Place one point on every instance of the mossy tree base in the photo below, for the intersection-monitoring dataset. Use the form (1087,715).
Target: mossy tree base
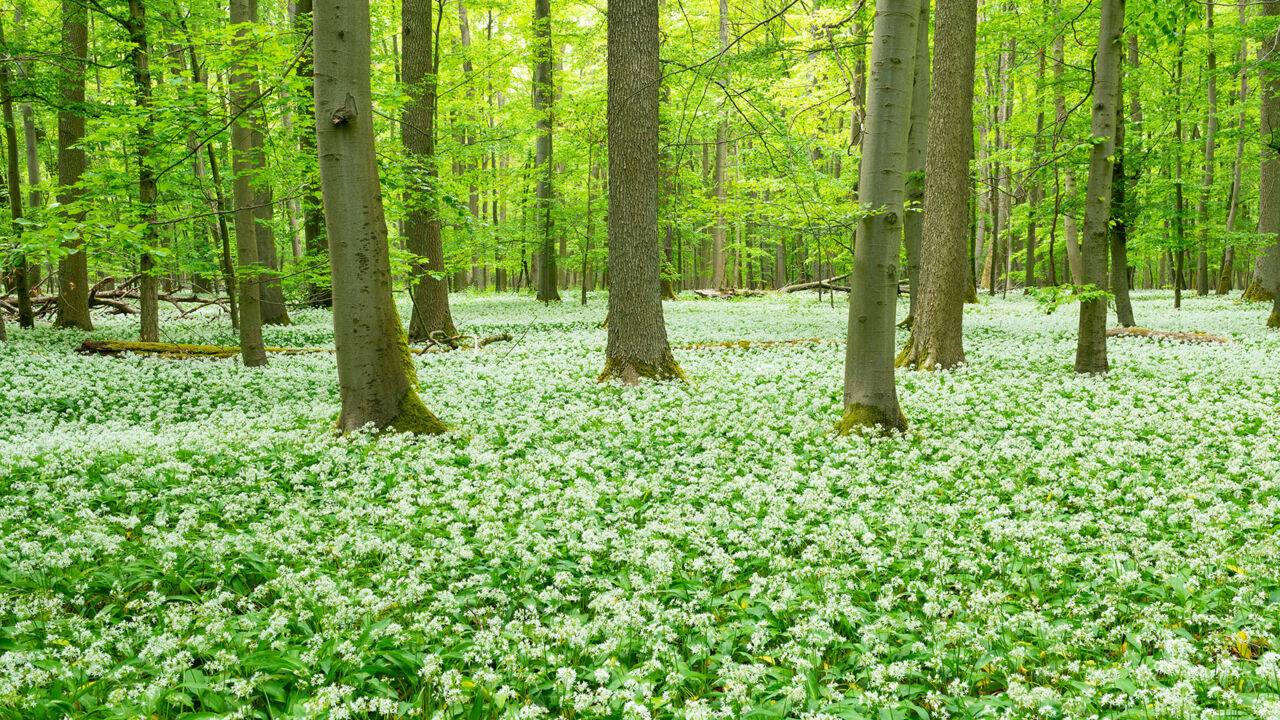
(1274,320)
(415,418)
(1257,293)
(632,372)
(868,419)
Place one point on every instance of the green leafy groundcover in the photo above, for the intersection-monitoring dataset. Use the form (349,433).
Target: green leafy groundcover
(187,539)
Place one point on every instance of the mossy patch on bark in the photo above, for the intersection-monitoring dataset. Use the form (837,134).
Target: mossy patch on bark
(1257,293)
(415,418)
(633,371)
(860,418)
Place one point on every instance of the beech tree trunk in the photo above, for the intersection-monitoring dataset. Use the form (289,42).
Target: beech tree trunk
(936,335)
(313,242)
(141,68)
(430,287)
(917,144)
(1226,279)
(243,92)
(720,230)
(637,346)
(376,374)
(20,269)
(1266,272)
(543,105)
(1210,136)
(870,395)
(73,268)
(1091,347)
(1269,173)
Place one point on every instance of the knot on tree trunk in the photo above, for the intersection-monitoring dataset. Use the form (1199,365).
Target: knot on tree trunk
(346,113)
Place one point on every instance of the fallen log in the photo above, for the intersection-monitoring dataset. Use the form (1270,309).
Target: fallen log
(725,293)
(1191,337)
(747,344)
(812,285)
(114,348)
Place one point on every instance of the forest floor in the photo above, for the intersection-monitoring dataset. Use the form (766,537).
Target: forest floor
(181,537)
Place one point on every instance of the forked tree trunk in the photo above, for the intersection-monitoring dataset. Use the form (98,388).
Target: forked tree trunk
(430,291)
(870,396)
(936,339)
(242,95)
(73,268)
(1091,344)
(637,346)
(917,144)
(376,374)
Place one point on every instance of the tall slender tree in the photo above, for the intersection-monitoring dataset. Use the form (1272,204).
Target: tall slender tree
(543,105)
(376,374)
(73,268)
(242,96)
(1210,137)
(140,57)
(430,313)
(917,143)
(936,335)
(870,395)
(1269,172)
(20,270)
(637,346)
(1091,343)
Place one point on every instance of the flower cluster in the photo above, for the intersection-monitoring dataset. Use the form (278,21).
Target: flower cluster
(189,536)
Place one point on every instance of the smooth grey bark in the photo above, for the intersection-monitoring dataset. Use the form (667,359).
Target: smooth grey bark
(1210,137)
(140,61)
(1226,279)
(73,268)
(543,105)
(1266,273)
(430,287)
(917,144)
(1179,202)
(637,346)
(870,395)
(719,230)
(936,335)
(243,92)
(376,374)
(1091,342)
(1269,172)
